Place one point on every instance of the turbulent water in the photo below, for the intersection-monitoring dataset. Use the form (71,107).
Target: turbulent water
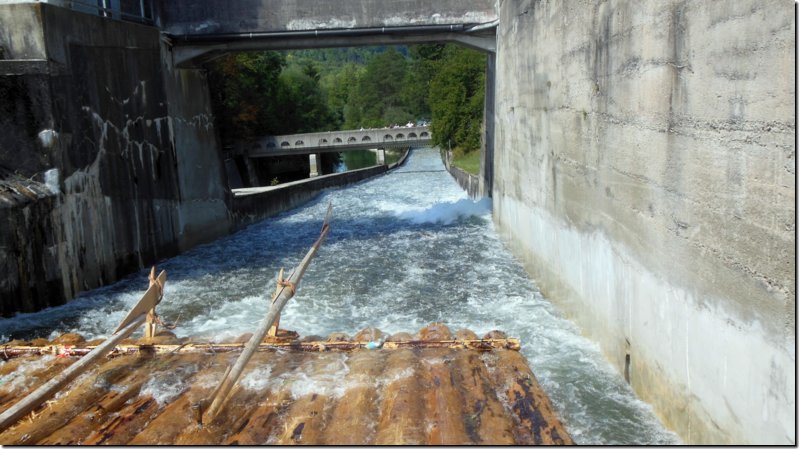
(405,249)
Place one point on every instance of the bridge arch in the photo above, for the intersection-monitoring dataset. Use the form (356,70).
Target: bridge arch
(352,139)
(285,144)
(337,140)
(366,139)
(270,145)
(424,134)
(299,143)
(400,136)
(412,135)
(388,137)
(323,141)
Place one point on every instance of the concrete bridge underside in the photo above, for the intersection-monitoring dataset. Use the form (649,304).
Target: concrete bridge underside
(200,31)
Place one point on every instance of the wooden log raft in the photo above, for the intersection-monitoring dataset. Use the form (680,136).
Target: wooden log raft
(401,395)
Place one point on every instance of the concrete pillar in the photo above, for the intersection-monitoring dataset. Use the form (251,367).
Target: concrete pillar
(486,176)
(252,175)
(313,160)
(380,154)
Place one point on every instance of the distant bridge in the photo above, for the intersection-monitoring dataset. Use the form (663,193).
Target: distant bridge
(336,141)
(312,144)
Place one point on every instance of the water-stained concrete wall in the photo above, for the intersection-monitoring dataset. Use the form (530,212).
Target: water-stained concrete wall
(139,172)
(644,172)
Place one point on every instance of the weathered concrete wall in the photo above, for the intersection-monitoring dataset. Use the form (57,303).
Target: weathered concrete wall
(204,195)
(223,16)
(645,173)
(139,174)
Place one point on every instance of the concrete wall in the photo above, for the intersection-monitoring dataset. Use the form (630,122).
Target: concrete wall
(223,16)
(133,143)
(644,172)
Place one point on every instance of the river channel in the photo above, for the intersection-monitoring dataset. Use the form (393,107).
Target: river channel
(405,249)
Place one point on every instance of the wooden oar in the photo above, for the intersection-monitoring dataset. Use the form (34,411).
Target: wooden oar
(284,293)
(47,390)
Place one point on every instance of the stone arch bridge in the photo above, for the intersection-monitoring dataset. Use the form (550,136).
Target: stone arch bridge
(335,141)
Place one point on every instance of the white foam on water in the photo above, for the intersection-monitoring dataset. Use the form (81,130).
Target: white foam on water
(165,386)
(257,379)
(448,212)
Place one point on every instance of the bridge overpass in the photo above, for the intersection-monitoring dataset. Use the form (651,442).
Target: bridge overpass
(313,144)
(335,141)
(199,31)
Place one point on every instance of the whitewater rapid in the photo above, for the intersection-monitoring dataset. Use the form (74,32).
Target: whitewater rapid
(405,249)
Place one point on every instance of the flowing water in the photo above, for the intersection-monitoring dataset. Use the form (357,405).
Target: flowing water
(405,249)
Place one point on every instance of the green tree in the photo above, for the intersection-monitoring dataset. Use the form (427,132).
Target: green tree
(456,99)
(376,100)
(243,86)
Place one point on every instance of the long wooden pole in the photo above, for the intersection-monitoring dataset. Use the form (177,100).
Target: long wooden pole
(135,318)
(284,294)
(47,390)
(9,352)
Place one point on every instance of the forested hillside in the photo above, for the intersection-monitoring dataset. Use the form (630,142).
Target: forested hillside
(260,93)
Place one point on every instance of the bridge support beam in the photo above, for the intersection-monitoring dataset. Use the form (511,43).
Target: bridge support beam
(380,156)
(313,162)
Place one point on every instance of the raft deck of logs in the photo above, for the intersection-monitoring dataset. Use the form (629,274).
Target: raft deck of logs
(434,387)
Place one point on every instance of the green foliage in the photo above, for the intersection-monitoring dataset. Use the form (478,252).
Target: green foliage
(260,93)
(244,86)
(469,162)
(375,100)
(456,98)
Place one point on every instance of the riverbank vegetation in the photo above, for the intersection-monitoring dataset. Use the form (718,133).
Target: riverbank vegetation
(262,93)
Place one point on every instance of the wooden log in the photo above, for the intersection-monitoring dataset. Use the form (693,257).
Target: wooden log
(401,414)
(485,419)
(120,429)
(314,346)
(307,414)
(282,297)
(27,379)
(45,391)
(87,422)
(177,415)
(357,410)
(535,420)
(243,401)
(61,411)
(443,401)
(263,421)
(137,415)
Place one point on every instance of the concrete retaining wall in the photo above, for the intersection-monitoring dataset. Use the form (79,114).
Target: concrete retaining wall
(255,204)
(644,172)
(139,176)
(470,183)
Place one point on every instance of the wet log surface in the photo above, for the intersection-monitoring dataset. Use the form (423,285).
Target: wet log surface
(381,394)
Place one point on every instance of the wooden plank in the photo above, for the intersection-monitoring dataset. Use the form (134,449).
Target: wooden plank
(149,300)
